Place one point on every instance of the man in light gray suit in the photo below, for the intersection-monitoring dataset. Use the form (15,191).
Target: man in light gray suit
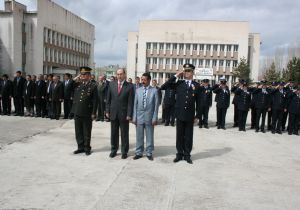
(145,111)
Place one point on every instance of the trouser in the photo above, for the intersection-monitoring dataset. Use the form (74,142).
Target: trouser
(260,113)
(140,128)
(56,109)
(169,114)
(293,126)
(236,115)
(83,131)
(242,119)
(49,109)
(221,116)
(284,119)
(277,116)
(6,103)
(253,117)
(269,124)
(40,106)
(184,138)
(101,109)
(203,115)
(19,105)
(29,104)
(67,107)
(115,126)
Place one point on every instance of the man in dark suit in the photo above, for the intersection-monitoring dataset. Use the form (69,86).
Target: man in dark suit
(223,100)
(154,84)
(84,109)
(289,88)
(169,103)
(18,88)
(57,97)
(40,96)
(68,86)
(186,98)
(102,88)
(293,107)
(49,107)
(1,81)
(6,94)
(119,109)
(234,102)
(262,104)
(28,95)
(278,104)
(204,102)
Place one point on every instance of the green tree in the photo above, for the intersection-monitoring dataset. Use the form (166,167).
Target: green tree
(242,71)
(271,74)
(293,69)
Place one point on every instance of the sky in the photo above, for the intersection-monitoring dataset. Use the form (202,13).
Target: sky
(277,21)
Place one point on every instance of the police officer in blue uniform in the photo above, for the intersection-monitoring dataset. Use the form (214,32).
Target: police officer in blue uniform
(84,109)
(293,107)
(169,103)
(185,107)
(204,102)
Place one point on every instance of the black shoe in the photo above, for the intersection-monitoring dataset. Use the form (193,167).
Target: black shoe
(235,125)
(150,157)
(166,124)
(78,151)
(172,124)
(87,153)
(124,156)
(112,154)
(273,132)
(188,160)
(263,131)
(219,127)
(177,159)
(223,128)
(295,133)
(240,129)
(256,130)
(244,129)
(136,157)
(206,126)
(252,127)
(290,133)
(200,126)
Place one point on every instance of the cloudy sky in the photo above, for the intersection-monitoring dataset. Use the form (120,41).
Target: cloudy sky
(277,21)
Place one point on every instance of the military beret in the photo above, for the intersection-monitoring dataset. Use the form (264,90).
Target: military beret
(291,81)
(263,82)
(275,83)
(188,66)
(223,82)
(205,80)
(281,83)
(241,81)
(85,70)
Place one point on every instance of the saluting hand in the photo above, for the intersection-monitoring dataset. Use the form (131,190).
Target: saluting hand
(179,74)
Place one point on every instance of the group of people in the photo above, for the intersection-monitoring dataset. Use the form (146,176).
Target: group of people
(121,102)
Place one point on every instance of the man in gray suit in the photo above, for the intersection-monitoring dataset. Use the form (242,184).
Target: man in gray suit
(119,110)
(145,111)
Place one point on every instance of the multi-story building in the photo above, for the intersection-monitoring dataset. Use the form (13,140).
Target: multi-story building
(162,47)
(49,40)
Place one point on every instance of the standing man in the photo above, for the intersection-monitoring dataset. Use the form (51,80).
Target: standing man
(57,97)
(84,109)
(102,92)
(40,97)
(185,111)
(145,111)
(204,102)
(29,95)
(18,88)
(293,107)
(49,107)
(169,103)
(6,94)
(119,109)
(68,86)
(154,84)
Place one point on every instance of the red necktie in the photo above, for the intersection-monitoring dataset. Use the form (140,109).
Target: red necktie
(119,87)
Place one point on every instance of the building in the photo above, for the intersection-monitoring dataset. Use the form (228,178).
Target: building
(108,71)
(162,47)
(49,40)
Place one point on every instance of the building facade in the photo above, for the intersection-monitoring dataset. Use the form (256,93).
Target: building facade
(49,40)
(162,47)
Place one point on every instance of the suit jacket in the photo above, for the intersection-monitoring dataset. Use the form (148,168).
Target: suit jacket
(243,101)
(49,89)
(41,89)
(102,90)
(186,99)
(222,98)
(170,94)
(119,106)
(262,100)
(18,87)
(204,96)
(278,100)
(57,91)
(29,90)
(68,89)
(293,104)
(149,114)
(7,89)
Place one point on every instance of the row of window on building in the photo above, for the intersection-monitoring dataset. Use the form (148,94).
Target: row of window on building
(194,47)
(61,40)
(195,62)
(66,58)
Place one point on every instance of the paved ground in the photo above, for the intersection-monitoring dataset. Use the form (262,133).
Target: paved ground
(231,170)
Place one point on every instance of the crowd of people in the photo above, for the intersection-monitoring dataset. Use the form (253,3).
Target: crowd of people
(118,100)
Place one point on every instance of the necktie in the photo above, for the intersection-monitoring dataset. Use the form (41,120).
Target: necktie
(119,88)
(144,97)
(187,83)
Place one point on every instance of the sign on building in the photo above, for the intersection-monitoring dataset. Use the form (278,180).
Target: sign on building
(204,73)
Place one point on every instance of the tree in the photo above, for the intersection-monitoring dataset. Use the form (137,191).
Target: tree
(293,69)
(242,71)
(271,74)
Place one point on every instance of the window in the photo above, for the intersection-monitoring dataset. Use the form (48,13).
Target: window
(154,46)
(215,47)
(174,61)
(194,46)
(187,60)
(168,46)
(200,62)
(227,63)
(201,47)
(161,61)
(208,47)
(222,47)
(180,61)
(188,47)
(207,63)
(194,62)
(154,60)
(148,46)
(148,61)
(235,63)
(174,46)
(214,62)
(167,61)
(236,48)
(221,63)
(161,46)
(180,46)
(228,48)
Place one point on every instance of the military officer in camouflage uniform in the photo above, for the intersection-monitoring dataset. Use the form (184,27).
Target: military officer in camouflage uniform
(84,109)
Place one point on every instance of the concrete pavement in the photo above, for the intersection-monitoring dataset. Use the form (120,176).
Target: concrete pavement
(231,170)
